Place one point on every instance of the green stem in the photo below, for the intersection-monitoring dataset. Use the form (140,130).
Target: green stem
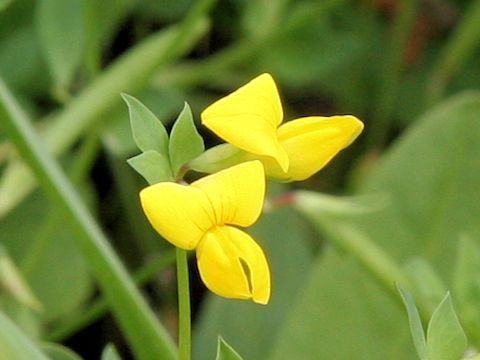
(184,333)
(142,330)
(100,307)
(459,48)
(392,71)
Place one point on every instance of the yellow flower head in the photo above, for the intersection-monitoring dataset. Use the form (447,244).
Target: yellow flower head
(250,118)
(199,216)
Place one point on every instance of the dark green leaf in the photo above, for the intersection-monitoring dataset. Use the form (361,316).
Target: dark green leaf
(61,29)
(445,337)
(152,166)
(225,351)
(185,141)
(148,132)
(416,328)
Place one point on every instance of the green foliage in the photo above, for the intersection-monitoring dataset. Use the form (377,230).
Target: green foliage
(445,337)
(185,142)
(225,351)
(60,27)
(15,344)
(110,353)
(407,71)
(59,352)
(416,327)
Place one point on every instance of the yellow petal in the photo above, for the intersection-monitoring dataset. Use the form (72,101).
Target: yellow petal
(311,142)
(181,214)
(248,118)
(233,265)
(236,193)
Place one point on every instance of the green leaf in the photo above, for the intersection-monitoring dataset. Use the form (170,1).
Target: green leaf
(427,285)
(225,351)
(110,353)
(4,4)
(59,352)
(416,328)
(60,26)
(15,345)
(152,166)
(148,132)
(466,280)
(185,141)
(445,337)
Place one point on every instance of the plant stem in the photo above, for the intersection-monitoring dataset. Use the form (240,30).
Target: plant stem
(146,336)
(184,333)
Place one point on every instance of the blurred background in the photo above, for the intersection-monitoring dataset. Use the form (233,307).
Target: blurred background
(409,69)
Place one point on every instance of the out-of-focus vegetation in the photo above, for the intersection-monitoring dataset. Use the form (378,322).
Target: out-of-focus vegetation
(409,69)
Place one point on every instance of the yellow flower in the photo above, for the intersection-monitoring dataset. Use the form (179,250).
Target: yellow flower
(200,216)
(250,119)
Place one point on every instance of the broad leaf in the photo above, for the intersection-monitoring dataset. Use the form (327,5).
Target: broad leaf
(185,141)
(445,337)
(59,352)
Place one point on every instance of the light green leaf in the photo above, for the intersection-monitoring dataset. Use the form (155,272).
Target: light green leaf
(445,337)
(466,280)
(60,26)
(426,284)
(185,141)
(13,283)
(152,166)
(59,352)
(15,345)
(148,132)
(4,4)
(225,351)
(110,353)
(416,328)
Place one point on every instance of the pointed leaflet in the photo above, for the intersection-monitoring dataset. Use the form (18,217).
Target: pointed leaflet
(147,131)
(59,352)
(445,337)
(185,141)
(60,25)
(225,351)
(152,166)
(110,353)
(416,328)
(248,118)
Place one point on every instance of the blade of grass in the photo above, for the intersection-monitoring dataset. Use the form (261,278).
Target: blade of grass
(459,48)
(128,74)
(392,72)
(146,336)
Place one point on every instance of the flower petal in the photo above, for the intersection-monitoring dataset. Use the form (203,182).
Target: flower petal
(236,193)
(233,265)
(181,214)
(311,142)
(248,118)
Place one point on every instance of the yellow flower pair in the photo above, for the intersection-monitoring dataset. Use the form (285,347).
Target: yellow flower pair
(203,215)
